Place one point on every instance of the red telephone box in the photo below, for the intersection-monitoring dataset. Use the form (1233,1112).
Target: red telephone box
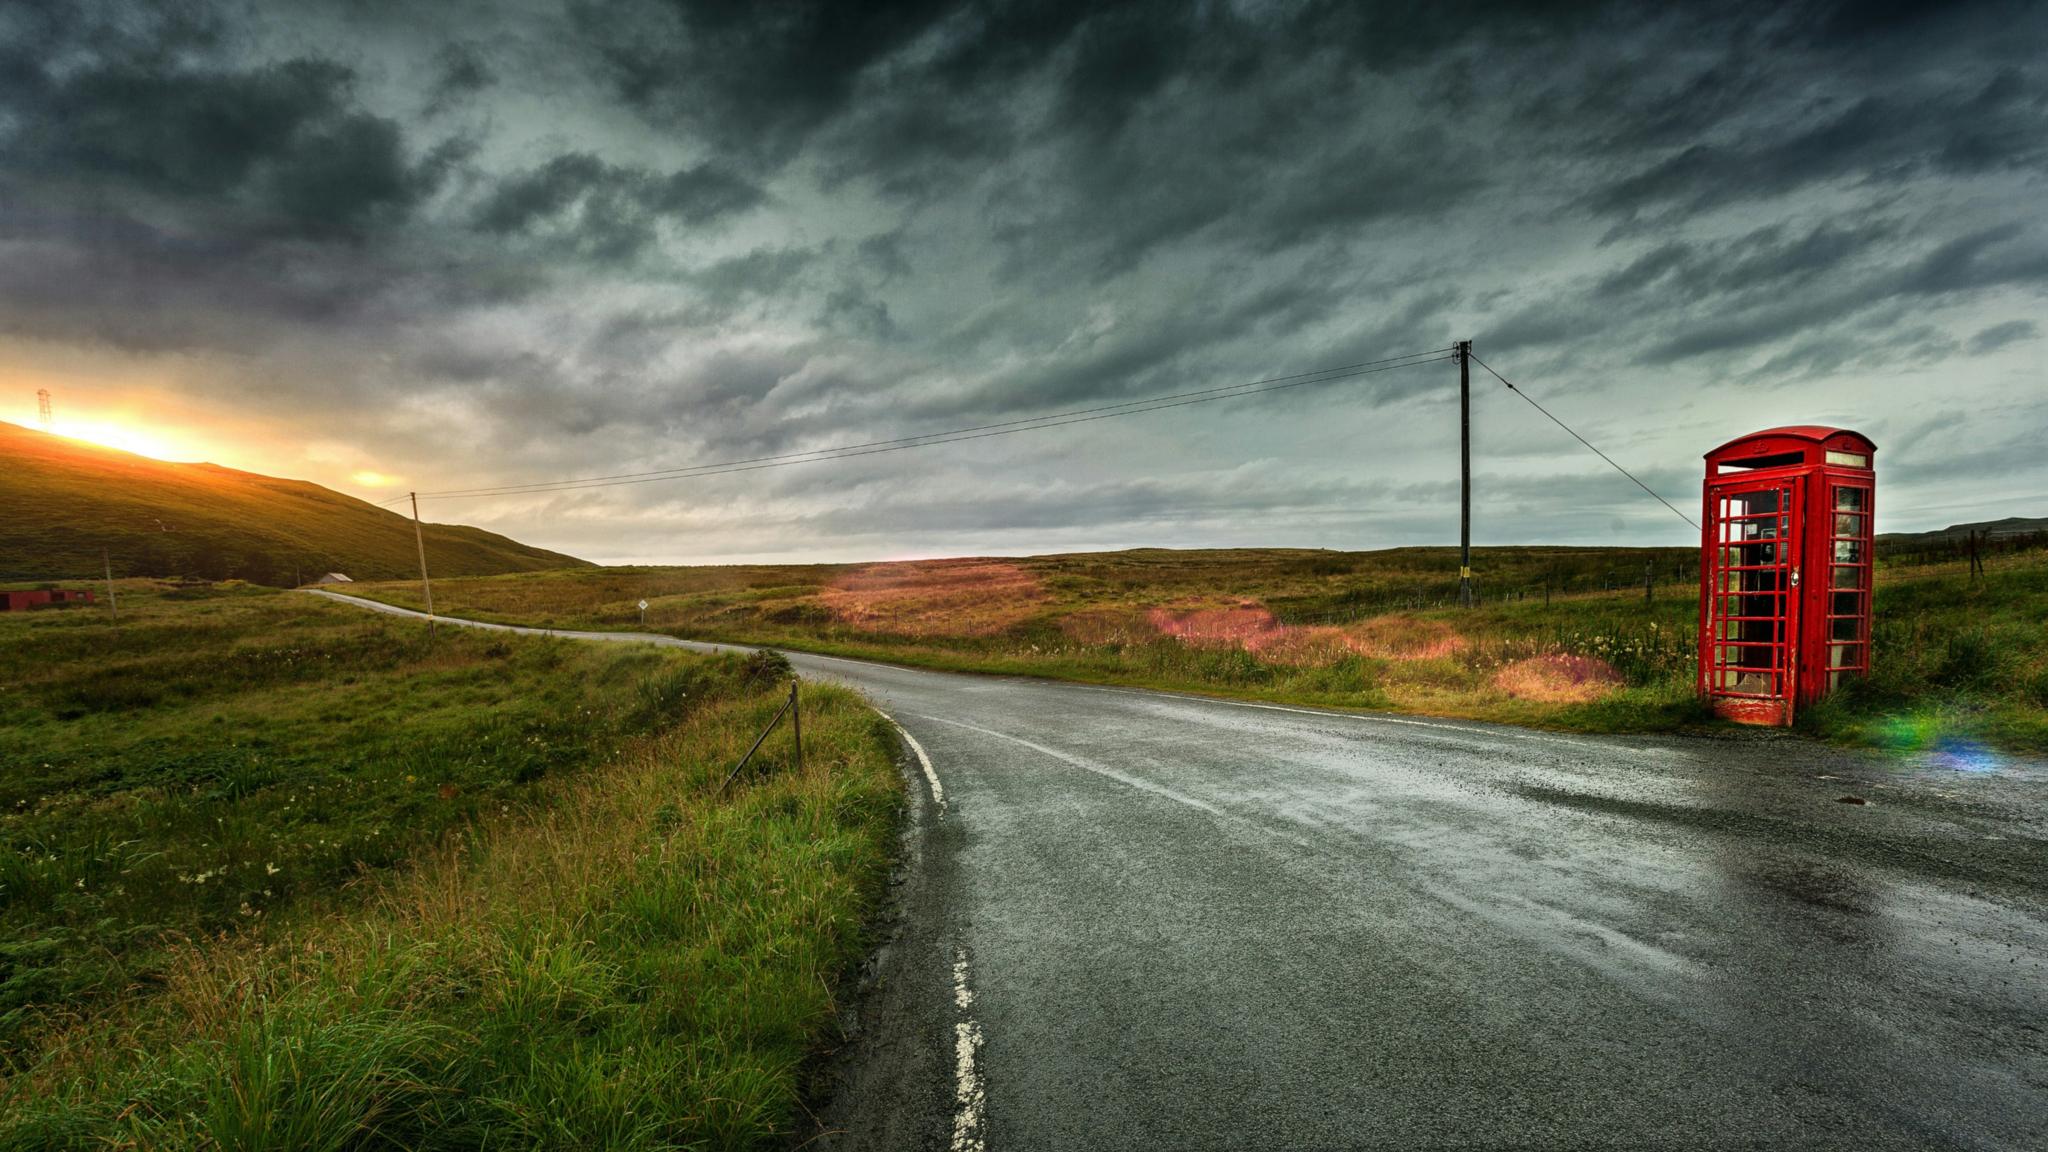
(1784,570)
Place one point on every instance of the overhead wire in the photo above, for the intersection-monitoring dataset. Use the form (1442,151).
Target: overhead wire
(1588,443)
(956,435)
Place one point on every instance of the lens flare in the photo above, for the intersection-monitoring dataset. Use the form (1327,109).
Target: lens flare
(1964,755)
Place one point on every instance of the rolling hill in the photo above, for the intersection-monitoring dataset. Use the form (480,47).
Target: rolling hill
(62,501)
(2005,529)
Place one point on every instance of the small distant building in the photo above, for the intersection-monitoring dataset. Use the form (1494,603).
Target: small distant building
(334,578)
(42,598)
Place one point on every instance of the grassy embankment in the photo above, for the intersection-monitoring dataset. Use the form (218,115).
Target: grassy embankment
(280,873)
(1368,630)
(67,499)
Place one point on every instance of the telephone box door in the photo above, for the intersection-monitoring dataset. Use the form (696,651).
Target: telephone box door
(1752,605)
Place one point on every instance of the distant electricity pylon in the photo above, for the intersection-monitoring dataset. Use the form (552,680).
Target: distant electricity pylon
(43,412)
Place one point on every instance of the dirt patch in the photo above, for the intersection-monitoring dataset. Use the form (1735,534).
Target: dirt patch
(934,597)
(1558,679)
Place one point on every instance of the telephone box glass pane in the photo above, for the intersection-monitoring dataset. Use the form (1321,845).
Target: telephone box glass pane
(1846,604)
(1850,499)
(1849,551)
(1845,655)
(1848,525)
(1847,576)
(1845,628)
(1748,636)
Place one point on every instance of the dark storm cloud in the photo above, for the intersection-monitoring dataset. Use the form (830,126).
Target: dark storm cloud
(609,211)
(1990,126)
(1772,283)
(759,271)
(755,78)
(164,194)
(599,237)
(283,145)
(1997,336)
(463,73)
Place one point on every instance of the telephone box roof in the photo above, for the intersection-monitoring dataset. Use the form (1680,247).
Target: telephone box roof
(1816,433)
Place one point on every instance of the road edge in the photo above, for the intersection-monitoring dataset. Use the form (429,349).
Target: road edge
(888,1081)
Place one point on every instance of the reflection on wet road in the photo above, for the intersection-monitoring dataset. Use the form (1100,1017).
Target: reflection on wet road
(1212,925)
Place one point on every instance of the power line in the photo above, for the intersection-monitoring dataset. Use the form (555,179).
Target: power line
(976,432)
(1586,442)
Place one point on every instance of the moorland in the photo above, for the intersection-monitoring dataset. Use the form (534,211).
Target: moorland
(1582,639)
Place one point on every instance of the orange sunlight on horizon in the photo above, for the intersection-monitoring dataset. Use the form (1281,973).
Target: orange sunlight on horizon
(128,438)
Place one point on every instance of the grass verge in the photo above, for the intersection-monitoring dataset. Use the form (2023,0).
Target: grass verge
(626,959)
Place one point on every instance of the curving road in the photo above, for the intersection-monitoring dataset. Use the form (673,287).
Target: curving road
(1141,920)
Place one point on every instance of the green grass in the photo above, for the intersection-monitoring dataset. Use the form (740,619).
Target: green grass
(66,500)
(473,891)
(1361,630)
(1956,661)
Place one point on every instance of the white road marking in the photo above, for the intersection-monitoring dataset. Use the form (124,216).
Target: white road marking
(1090,766)
(923,761)
(968,1097)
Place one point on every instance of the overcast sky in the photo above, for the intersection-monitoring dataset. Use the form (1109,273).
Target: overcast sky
(461,244)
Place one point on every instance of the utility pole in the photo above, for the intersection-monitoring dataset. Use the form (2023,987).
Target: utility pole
(420,539)
(107,563)
(43,413)
(1464,473)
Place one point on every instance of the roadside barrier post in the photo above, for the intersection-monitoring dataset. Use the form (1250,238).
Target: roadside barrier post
(796,725)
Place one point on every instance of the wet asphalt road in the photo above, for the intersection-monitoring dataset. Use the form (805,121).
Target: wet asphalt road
(1141,920)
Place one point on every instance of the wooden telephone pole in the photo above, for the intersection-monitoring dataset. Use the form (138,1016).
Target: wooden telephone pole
(1464,473)
(420,540)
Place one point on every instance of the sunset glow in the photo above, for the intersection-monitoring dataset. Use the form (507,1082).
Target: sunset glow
(373,479)
(128,438)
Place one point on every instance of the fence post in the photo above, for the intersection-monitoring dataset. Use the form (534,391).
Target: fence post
(787,707)
(796,724)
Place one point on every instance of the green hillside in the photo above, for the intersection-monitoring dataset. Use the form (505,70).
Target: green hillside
(64,500)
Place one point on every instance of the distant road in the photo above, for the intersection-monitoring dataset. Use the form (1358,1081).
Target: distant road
(1143,920)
